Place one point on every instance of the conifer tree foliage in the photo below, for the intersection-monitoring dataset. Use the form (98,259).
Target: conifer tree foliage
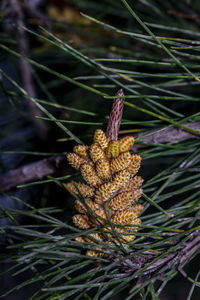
(72,58)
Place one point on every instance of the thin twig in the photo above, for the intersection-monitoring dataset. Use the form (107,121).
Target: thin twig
(25,68)
(170,261)
(34,171)
(166,135)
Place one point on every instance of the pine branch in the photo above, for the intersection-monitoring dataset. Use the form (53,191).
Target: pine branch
(168,262)
(166,135)
(34,171)
(50,165)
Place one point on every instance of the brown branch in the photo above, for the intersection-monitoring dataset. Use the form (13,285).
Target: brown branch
(25,68)
(166,135)
(178,258)
(171,261)
(30,172)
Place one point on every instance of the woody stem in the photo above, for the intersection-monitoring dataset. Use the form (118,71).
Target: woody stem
(115,117)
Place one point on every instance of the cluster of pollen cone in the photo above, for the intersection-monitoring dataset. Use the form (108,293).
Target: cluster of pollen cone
(111,191)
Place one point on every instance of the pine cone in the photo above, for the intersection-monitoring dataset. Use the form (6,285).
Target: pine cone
(111,189)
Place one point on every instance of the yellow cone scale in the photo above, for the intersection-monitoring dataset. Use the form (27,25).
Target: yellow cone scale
(110,192)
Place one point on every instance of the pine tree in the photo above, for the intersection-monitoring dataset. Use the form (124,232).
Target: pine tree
(84,53)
